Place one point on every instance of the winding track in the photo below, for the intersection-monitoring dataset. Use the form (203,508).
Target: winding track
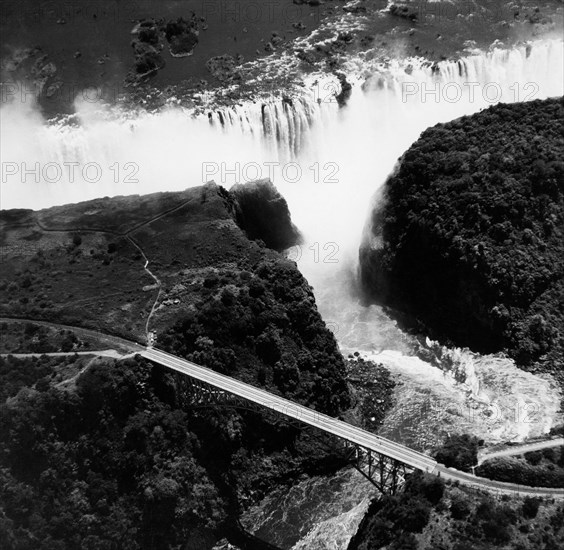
(128,236)
(520,449)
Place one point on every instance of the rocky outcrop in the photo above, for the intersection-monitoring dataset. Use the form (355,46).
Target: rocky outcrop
(469,237)
(262,212)
(224,67)
(151,36)
(346,90)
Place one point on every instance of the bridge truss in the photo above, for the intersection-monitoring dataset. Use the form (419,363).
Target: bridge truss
(385,473)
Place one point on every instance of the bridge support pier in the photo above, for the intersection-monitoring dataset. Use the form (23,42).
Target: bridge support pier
(387,474)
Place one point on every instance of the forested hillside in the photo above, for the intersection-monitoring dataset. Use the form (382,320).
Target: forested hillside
(100,453)
(472,233)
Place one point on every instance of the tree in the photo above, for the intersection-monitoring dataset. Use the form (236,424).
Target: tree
(530,507)
(459,507)
(459,451)
(415,515)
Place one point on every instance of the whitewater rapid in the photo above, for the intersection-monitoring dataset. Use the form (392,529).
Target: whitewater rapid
(307,516)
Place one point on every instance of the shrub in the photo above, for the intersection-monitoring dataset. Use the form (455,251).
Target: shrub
(514,470)
(496,532)
(533,457)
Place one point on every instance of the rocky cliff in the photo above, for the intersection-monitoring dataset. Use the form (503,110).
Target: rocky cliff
(263,213)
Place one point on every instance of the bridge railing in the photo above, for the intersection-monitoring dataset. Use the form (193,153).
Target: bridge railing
(295,411)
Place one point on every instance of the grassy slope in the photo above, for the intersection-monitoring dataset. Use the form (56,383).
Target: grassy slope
(58,263)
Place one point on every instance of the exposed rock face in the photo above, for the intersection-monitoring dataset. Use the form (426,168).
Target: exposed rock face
(262,212)
(150,37)
(470,238)
(346,90)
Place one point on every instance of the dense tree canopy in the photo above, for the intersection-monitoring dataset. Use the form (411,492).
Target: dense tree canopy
(263,327)
(119,457)
(431,516)
(473,232)
(459,451)
(103,466)
(121,460)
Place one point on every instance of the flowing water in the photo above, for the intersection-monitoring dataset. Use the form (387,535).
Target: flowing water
(309,517)
(329,163)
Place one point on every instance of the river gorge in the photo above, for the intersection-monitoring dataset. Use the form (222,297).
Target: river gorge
(329,159)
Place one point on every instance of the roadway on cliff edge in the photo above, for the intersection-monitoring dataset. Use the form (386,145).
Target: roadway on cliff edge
(328,424)
(339,428)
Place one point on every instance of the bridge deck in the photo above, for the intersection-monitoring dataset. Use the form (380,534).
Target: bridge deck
(339,428)
(293,410)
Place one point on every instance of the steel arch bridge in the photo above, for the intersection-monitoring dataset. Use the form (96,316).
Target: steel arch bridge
(383,462)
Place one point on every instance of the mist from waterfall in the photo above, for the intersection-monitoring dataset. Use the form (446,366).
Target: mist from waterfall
(328,162)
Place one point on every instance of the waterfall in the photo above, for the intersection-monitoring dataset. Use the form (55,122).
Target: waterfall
(281,125)
(165,150)
(103,151)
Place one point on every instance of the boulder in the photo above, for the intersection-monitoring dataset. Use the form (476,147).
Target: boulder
(262,212)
